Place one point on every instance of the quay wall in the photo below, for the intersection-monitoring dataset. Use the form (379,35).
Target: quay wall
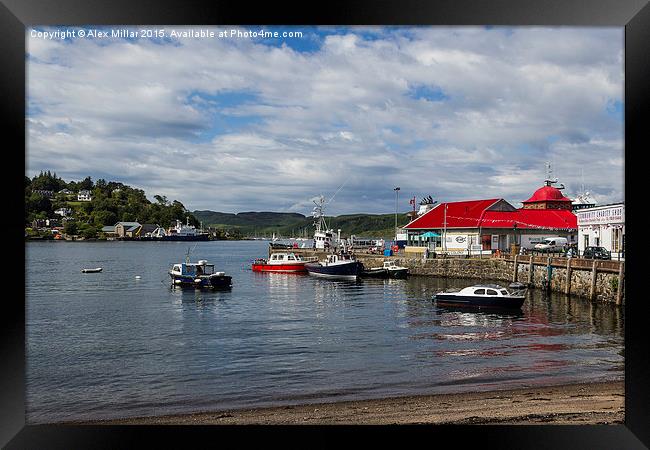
(599,281)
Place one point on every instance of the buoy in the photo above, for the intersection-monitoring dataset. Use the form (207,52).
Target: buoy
(137,277)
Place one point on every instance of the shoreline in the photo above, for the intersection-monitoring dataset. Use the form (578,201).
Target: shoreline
(564,404)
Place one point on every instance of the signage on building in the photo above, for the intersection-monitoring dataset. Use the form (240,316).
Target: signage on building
(458,241)
(591,216)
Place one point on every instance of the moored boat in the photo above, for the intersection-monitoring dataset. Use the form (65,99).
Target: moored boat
(280,262)
(484,296)
(95,270)
(395,271)
(338,266)
(198,275)
(183,232)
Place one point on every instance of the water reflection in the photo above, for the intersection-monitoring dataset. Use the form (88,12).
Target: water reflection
(198,296)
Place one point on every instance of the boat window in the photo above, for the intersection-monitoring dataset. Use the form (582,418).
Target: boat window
(492,292)
(479,292)
(291,258)
(504,292)
(274,257)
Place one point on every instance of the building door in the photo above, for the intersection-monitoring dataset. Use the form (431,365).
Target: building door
(616,240)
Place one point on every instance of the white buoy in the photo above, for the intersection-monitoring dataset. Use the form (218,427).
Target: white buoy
(137,277)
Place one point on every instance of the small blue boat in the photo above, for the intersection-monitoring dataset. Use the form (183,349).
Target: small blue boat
(198,275)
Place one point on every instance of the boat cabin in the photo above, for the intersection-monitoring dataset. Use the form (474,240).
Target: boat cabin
(193,269)
(489,290)
(284,258)
(333,259)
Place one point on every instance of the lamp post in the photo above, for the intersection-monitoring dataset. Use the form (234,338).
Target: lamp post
(396,200)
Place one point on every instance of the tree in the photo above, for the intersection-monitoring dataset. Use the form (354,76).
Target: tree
(161,199)
(70,227)
(86,184)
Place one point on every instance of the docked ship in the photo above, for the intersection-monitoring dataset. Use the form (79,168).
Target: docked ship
(184,232)
(323,235)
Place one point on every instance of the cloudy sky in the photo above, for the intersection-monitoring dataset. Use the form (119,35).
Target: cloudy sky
(237,124)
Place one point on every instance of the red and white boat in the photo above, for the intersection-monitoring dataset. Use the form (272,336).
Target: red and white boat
(281,262)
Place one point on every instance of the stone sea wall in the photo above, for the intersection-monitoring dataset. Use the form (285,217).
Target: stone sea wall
(605,287)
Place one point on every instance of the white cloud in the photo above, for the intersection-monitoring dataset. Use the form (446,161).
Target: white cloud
(166,117)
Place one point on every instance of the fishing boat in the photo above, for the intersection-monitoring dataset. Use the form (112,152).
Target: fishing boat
(484,296)
(395,271)
(341,266)
(324,237)
(95,270)
(281,262)
(198,275)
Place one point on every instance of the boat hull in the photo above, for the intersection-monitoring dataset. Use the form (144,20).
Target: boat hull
(398,273)
(211,282)
(479,302)
(374,273)
(347,271)
(279,268)
(198,237)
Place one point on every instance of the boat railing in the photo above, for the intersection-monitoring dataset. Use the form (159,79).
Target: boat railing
(310,258)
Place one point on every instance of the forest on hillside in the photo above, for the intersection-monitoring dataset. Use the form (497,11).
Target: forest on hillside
(111,202)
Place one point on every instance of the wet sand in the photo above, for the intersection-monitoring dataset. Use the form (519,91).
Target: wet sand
(573,404)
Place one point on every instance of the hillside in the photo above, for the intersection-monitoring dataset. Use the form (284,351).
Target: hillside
(293,224)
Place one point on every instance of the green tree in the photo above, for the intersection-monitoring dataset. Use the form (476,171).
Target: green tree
(71,227)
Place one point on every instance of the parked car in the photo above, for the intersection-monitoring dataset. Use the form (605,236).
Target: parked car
(596,253)
(552,244)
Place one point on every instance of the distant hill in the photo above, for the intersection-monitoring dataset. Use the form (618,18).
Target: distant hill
(296,225)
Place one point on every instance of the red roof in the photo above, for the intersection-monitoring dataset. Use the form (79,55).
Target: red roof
(475,214)
(459,215)
(547,193)
(531,219)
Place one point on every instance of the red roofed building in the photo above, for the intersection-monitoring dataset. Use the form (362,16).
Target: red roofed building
(493,224)
(548,197)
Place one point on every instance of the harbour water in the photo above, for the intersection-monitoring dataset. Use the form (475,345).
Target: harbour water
(109,345)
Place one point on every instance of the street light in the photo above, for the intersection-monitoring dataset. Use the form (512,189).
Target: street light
(396,199)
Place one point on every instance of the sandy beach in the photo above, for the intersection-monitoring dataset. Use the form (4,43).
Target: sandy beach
(572,404)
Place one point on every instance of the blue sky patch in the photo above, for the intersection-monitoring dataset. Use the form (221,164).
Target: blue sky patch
(429,93)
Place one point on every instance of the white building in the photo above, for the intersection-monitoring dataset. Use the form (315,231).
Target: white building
(63,212)
(602,226)
(84,196)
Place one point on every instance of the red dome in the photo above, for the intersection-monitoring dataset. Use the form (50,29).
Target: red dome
(547,193)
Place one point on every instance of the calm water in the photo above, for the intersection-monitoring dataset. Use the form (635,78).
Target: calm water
(109,345)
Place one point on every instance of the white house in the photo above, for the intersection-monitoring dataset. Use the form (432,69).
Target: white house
(63,212)
(602,226)
(84,196)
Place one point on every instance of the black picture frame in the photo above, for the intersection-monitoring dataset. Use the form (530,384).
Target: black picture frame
(16,16)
